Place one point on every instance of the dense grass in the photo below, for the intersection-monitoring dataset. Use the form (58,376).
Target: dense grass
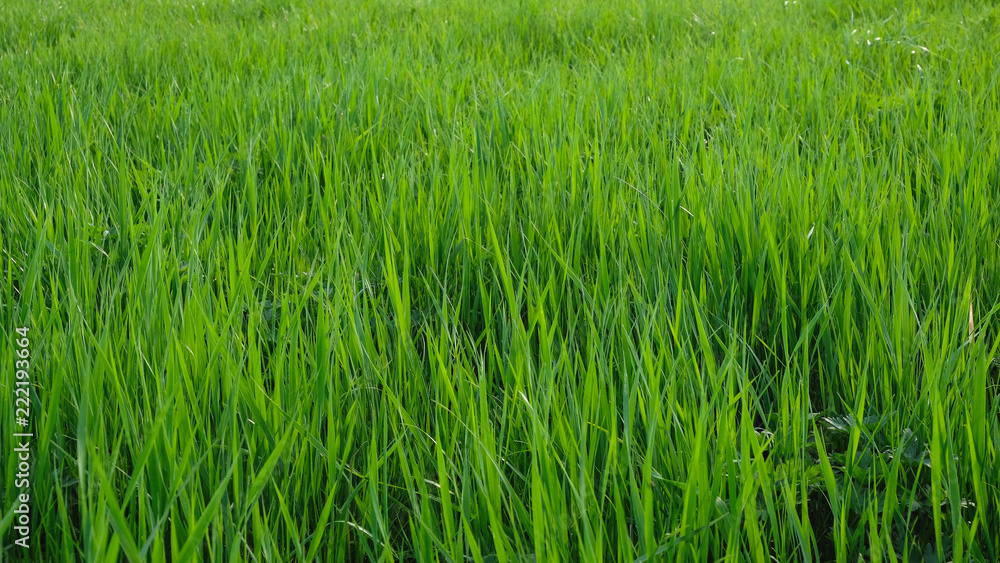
(481,281)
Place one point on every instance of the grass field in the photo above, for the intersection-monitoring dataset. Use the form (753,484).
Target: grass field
(469,280)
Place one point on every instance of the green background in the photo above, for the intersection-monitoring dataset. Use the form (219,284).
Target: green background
(503,281)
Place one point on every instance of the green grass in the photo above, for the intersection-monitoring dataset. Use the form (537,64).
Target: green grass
(477,281)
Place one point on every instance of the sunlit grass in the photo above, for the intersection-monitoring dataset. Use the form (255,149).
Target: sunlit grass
(475,281)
